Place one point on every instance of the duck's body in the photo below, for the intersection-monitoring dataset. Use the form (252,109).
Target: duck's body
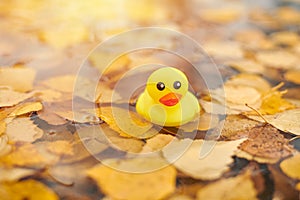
(170,105)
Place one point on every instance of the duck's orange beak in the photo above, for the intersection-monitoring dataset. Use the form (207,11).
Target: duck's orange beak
(170,99)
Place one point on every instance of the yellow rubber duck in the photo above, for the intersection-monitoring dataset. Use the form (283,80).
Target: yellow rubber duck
(166,100)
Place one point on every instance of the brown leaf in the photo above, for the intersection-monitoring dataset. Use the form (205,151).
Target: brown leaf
(265,144)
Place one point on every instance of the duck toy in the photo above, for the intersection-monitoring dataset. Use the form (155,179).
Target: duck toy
(166,100)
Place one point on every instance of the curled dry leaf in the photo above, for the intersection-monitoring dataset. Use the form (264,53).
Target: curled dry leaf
(10,97)
(286,121)
(290,166)
(212,166)
(127,123)
(18,78)
(23,129)
(119,184)
(226,189)
(27,189)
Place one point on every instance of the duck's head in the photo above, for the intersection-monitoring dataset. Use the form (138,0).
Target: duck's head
(167,86)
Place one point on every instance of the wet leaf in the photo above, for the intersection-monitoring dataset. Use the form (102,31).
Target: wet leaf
(27,189)
(26,108)
(210,167)
(9,97)
(226,189)
(127,123)
(23,129)
(18,78)
(290,166)
(125,185)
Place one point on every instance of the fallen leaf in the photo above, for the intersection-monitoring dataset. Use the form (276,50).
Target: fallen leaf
(290,166)
(5,148)
(226,189)
(25,155)
(127,123)
(23,129)
(14,174)
(219,49)
(266,143)
(293,76)
(157,143)
(49,95)
(247,66)
(286,121)
(212,166)
(2,127)
(127,185)
(298,186)
(27,189)
(285,38)
(273,102)
(221,14)
(26,108)
(250,80)
(9,97)
(279,59)
(61,83)
(61,148)
(206,121)
(18,78)
(236,126)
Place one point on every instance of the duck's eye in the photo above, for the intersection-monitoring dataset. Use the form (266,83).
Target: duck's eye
(160,86)
(177,85)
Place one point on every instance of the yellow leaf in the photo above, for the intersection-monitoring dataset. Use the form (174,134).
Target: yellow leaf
(26,108)
(221,49)
(2,127)
(127,123)
(279,59)
(9,97)
(250,80)
(285,38)
(221,15)
(61,147)
(5,148)
(61,83)
(14,173)
(240,187)
(18,78)
(247,66)
(212,166)
(23,129)
(157,143)
(293,76)
(27,189)
(65,34)
(49,95)
(25,155)
(272,102)
(206,121)
(287,121)
(290,166)
(117,184)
